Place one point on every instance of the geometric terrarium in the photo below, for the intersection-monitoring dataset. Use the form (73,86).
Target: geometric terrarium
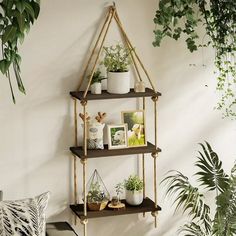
(97,196)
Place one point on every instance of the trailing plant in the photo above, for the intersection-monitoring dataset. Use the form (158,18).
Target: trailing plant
(97,77)
(117,58)
(133,183)
(16,17)
(188,197)
(175,18)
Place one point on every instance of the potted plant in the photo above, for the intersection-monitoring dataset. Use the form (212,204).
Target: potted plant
(96,198)
(134,186)
(119,190)
(212,177)
(96,84)
(117,60)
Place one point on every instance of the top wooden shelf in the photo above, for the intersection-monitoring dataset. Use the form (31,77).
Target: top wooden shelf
(105,95)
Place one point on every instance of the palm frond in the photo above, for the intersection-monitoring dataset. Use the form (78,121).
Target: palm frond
(188,197)
(211,174)
(225,217)
(192,229)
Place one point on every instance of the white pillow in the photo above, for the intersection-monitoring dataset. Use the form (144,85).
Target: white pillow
(24,217)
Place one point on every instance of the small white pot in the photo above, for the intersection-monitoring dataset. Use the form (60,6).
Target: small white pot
(96,88)
(118,82)
(134,198)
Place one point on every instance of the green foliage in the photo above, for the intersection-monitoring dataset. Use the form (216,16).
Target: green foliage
(97,77)
(117,58)
(95,194)
(119,188)
(189,198)
(133,183)
(176,18)
(16,17)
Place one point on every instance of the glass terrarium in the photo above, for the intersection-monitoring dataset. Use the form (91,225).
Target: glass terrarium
(97,196)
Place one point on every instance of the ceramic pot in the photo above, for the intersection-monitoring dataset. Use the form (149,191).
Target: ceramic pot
(118,82)
(134,198)
(96,88)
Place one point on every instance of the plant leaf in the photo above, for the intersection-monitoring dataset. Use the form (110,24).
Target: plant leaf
(9,34)
(212,174)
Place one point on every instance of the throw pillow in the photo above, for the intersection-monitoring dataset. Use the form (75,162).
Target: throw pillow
(24,217)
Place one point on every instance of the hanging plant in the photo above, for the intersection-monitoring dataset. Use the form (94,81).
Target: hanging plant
(218,17)
(16,17)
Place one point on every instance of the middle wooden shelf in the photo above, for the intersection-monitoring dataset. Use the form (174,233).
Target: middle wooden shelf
(96,153)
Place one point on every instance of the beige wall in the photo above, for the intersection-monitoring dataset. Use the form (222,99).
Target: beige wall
(36,132)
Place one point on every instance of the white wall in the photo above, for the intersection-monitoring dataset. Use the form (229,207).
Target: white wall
(37,132)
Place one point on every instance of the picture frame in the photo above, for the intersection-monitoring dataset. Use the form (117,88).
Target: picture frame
(136,128)
(117,136)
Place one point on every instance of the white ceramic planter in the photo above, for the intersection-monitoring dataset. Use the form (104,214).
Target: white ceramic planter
(96,88)
(134,198)
(118,82)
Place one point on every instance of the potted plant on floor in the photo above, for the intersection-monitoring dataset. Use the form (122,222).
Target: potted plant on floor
(96,84)
(134,194)
(117,60)
(213,178)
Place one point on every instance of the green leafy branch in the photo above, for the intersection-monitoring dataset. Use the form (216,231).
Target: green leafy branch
(176,18)
(15,20)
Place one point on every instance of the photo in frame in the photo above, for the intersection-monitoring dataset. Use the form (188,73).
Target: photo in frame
(136,133)
(117,136)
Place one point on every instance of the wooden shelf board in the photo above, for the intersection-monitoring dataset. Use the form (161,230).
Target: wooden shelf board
(105,95)
(147,206)
(95,153)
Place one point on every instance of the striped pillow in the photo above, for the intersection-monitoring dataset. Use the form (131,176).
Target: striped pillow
(24,217)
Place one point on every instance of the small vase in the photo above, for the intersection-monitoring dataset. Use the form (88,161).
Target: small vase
(139,87)
(96,88)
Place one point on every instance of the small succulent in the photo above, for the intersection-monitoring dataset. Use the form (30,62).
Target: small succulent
(95,194)
(97,77)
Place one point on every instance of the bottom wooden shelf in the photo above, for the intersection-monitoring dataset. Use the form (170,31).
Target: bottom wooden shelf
(147,206)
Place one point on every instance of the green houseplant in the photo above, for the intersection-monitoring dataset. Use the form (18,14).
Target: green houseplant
(176,18)
(96,197)
(16,18)
(117,60)
(96,86)
(211,176)
(134,186)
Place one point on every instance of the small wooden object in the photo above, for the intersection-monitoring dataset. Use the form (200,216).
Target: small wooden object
(100,117)
(84,117)
(117,207)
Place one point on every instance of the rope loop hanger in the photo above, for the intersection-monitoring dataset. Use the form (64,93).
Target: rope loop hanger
(97,49)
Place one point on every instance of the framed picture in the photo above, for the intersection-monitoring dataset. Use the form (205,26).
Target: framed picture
(135,121)
(117,136)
